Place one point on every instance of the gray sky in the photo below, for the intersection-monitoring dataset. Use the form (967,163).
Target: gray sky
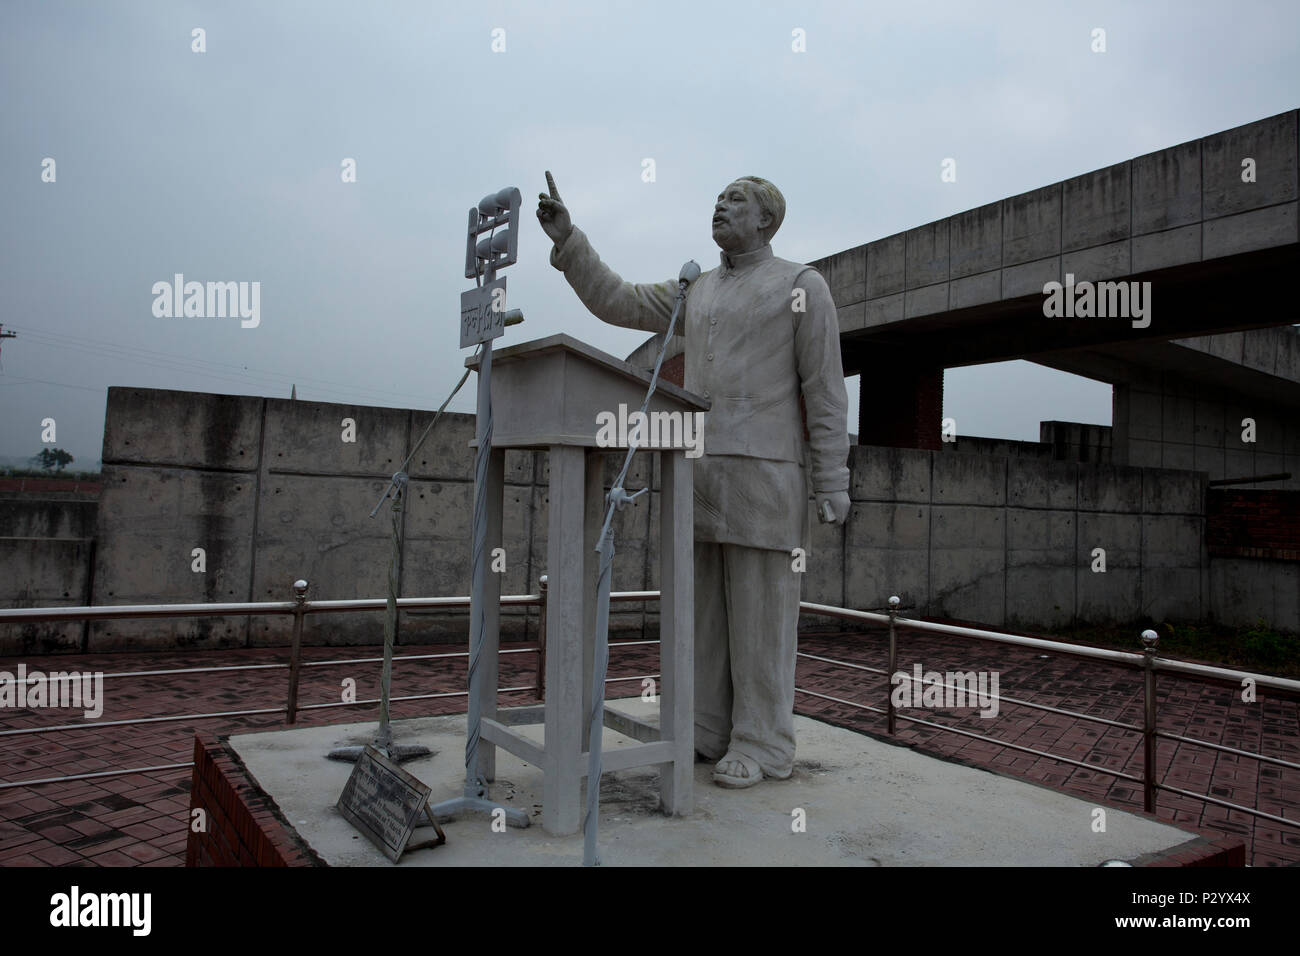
(225,166)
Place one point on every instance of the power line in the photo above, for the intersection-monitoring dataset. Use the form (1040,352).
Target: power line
(134,353)
(264,379)
(242,382)
(200,367)
(43,381)
(171,356)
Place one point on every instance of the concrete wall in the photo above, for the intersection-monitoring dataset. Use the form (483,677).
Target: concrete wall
(1244,526)
(1274,352)
(36,516)
(271,492)
(1001,447)
(1009,541)
(1076,441)
(1060,441)
(1245,592)
(1167,421)
(46,545)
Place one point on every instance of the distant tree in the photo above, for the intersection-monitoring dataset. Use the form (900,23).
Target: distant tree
(52,458)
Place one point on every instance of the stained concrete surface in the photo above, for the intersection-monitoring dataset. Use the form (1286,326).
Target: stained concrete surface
(864,802)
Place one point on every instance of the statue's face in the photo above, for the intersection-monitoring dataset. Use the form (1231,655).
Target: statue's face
(738,220)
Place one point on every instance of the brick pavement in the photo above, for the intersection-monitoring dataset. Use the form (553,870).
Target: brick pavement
(1193,709)
(141,819)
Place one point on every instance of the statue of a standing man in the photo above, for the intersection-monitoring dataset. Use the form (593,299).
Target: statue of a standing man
(759,331)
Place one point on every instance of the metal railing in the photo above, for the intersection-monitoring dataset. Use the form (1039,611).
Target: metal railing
(1148,662)
(298,608)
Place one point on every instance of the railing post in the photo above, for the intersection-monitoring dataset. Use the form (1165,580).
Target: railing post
(893,661)
(1149,641)
(541,642)
(300,608)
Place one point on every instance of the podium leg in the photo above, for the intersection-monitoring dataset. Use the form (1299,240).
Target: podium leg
(677,631)
(566,565)
(593,518)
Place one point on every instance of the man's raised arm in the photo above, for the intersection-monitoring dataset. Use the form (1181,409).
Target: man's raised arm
(643,306)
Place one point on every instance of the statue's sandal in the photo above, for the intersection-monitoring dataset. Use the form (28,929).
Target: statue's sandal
(738,783)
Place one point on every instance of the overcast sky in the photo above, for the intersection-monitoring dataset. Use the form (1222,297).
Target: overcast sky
(225,166)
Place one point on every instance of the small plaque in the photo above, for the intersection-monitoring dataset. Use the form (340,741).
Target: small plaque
(386,803)
(479,320)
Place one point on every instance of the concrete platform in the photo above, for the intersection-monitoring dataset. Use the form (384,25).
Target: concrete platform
(865,802)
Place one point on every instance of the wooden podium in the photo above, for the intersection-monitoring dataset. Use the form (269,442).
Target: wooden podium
(547,394)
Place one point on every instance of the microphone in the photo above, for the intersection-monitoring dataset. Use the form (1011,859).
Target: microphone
(690,272)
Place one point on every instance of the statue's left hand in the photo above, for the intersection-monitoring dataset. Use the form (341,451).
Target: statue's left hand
(839,506)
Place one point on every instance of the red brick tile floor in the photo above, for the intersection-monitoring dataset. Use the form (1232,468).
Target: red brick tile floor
(141,819)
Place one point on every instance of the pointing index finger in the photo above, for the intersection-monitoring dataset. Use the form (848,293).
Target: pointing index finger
(550,184)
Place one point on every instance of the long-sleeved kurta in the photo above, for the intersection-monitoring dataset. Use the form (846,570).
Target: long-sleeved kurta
(750,349)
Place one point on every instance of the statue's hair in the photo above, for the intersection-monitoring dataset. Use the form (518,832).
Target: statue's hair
(770,201)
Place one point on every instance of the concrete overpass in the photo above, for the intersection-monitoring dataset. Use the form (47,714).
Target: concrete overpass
(968,289)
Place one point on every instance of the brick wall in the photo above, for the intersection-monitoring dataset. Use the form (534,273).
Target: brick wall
(674,369)
(1217,851)
(1253,524)
(88,489)
(243,826)
(900,406)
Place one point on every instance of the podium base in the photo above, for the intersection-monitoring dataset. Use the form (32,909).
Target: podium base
(398,753)
(458,806)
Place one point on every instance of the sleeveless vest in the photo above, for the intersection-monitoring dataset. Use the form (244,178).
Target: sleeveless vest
(740,354)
